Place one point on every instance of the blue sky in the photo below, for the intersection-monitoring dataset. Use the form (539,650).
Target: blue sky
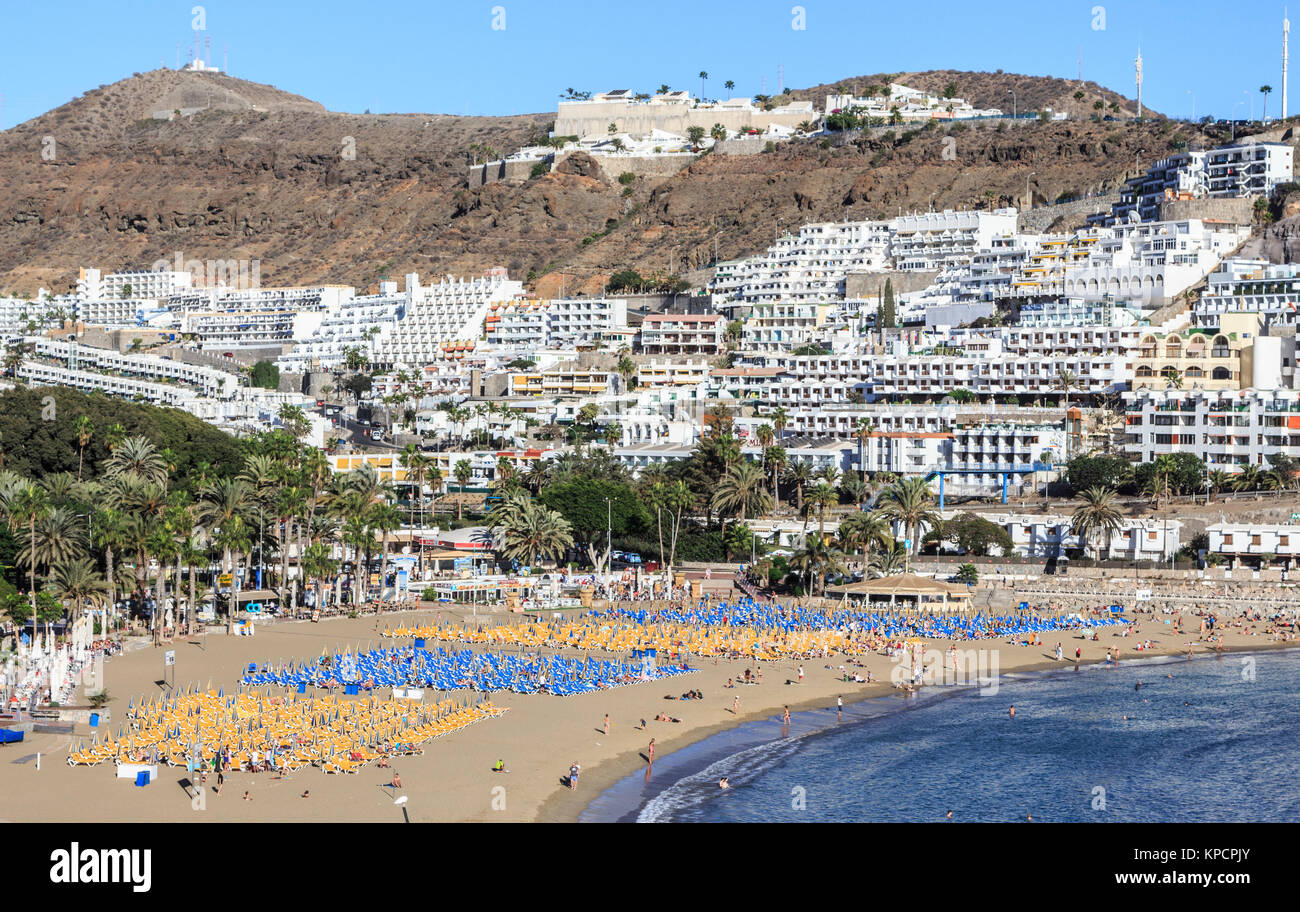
(440,57)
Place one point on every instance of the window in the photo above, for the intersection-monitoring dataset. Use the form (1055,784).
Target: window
(1151,536)
(1227,538)
(1254,539)
(1284,540)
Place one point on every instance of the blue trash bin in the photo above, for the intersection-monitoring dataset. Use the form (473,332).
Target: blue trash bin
(142,778)
(419,644)
(94,720)
(302,687)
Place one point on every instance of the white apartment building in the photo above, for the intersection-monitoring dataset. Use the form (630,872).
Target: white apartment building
(1225,428)
(1150,262)
(1255,544)
(777,326)
(121,312)
(672,373)
(683,334)
(1034,535)
(453,311)
(357,322)
(139,284)
(808,267)
(205,381)
(1238,169)
(931,240)
(40,373)
(562,322)
(245,330)
(1249,286)
(902,452)
(827,379)
(561,382)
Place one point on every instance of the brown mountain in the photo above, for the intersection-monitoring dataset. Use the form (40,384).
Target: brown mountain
(248,171)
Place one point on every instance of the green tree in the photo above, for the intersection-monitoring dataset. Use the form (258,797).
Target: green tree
(596,509)
(886,318)
(265,375)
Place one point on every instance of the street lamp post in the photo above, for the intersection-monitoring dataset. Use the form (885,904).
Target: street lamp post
(609,528)
(1029,200)
(1013,103)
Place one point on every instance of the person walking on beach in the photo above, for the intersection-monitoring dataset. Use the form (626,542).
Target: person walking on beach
(800,674)
(839,707)
(650,751)
(574,770)
(606,724)
(735,705)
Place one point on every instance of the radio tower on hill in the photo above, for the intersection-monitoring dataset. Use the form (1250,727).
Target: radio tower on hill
(1286,35)
(1138,64)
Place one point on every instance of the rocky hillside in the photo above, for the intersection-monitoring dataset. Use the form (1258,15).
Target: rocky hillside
(320,196)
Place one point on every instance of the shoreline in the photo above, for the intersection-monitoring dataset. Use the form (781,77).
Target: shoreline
(538,738)
(610,773)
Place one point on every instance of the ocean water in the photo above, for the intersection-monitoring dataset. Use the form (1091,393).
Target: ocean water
(1213,739)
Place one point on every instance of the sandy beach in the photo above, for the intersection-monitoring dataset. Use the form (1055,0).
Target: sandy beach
(538,738)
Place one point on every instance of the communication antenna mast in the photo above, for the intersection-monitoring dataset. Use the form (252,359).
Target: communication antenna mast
(1286,35)
(1138,65)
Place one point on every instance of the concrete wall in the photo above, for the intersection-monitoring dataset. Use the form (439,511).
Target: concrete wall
(515,171)
(594,118)
(1237,211)
(1075,212)
(869,284)
(750,145)
(519,171)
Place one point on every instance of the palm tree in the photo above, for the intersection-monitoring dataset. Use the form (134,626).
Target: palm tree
(1265,90)
(776,458)
(25,505)
(815,559)
(1247,479)
(888,561)
(1096,517)
(830,475)
(854,489)
(1066,380)
(384,518)
(76,583)
(704,76)
(1219,481)
(860,530)
(678,498)
(222,510)
(85,432)
(462,470)
(909,502)
(137,456)
(728,85)
(741,490)
(530,531)
(798,474)
(863,429)
(317,563)
(822,496)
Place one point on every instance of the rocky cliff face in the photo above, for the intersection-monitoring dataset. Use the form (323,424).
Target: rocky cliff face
(324,197)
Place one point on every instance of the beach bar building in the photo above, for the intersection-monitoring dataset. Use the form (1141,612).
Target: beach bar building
(906,590)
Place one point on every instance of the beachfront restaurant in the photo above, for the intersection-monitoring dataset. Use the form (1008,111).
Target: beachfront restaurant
(485,590)
(906,591)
